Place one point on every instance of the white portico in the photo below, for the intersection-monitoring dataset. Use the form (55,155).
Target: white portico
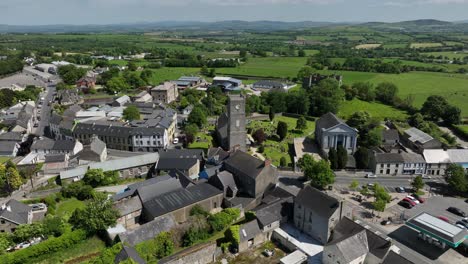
(331,132)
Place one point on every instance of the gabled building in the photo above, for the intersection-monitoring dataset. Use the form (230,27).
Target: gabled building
(95,151)
(86,83)
(49,146)
(165,93)
(250,236)
(316,213)
(121,101)
(13,214)
(419,140)
(331,132)
(253,176)
(9,148)
(271,86)
(227,83)
(186,82)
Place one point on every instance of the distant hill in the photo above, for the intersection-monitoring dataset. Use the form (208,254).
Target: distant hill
(420,25)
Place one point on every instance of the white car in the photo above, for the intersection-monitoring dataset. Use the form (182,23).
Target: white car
(426,176)
(413,199)
(371,175)
(176,141)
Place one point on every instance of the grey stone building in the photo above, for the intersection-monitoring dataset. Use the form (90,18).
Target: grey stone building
(316,213)
(331,132)
(231,128)
(13,214)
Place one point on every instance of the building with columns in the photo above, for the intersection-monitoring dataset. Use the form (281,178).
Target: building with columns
(331,132)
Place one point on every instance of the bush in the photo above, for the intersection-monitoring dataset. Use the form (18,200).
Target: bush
(283,162)
(250,215)
(232,234)
(261,149)
(49,246)
(193,235)
(107,255)
(78,190)
(198,210)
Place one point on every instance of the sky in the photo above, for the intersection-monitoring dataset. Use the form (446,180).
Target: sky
(79,12)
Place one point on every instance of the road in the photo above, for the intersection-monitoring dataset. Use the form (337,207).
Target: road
(45,110)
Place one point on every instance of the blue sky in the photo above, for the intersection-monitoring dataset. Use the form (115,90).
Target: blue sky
(40,12)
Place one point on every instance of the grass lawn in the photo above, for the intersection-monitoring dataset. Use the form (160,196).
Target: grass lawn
(168,74)
(278,67)
(425,45)
(205,141)
(4,159)
(68,206)
(79,253)
(274,149)
(454,87)
(375,109)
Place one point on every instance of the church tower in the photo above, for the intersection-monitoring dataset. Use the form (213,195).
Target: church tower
(236,126)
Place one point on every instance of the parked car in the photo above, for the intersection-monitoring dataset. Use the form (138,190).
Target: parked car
(465,225)
(400,190)
(22,245)
(419,198)
(409,201)
(413,199)
(457,211)
(38,206)
(176,141)
(371,175)
(385,222)
(405,204)
(426,176)
(269,252)
(444,219)
(461,226)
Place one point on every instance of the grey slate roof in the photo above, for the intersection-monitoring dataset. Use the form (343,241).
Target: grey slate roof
(328,120)
(176,164)
(389,158)
(116,130)
(245,163)
(181,153)
(394,258)
(217,155)
(345,228)
(11,136)
(18,212)
(268,84)
(177,199)
(129,206)
(352,247)
(319,202)
(50,144)
(7,147)
(271,213)
(54,158)
(390,135)
(249,230)
(412,158)
(148,231)
(227,180)
(157,188)
(128,253)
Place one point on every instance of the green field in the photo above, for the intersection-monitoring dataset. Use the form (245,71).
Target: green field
(280,67)
(395,45)
(168,74)
(454,87)
(67,207)
(448,54)
(375,109)
(425,45)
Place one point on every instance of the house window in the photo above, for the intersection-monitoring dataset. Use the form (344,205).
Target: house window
(388,171)
(381,165)
(381,171)
(3,221)
(388,165)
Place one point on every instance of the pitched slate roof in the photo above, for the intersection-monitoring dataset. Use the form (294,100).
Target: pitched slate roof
(7,147)
(328,120)
(109,129)
(148,231)
(389,158)
(217,155)
(227,179)
(55,158)
(126,207)
(352,247)
(11,136)
(181,154)
(176,164)
(149,191)
(128,253)
(394,258)
(245,163)
(317,201)
(390,135)
(412,158)
(177,199)
(249,230)
(18,212)
(50,144)
(271,213)
(268,84)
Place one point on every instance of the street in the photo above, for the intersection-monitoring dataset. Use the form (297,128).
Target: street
(45,110)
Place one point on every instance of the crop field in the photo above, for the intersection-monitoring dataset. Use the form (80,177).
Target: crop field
(448,54)
(368,46)
(168,74)
(375,109)
(395,45)
(280,67)
(454,87)
(425,45)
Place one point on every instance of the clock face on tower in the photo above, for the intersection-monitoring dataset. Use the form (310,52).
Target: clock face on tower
(237,107)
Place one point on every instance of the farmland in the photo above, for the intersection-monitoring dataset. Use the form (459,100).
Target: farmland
(425,45)
(279,67)
(376,110)
(367,46)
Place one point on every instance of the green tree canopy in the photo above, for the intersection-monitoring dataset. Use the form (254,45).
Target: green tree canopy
(417,183)
(117,84)
(282,130)
(319,172)
(341,157)
(333,158)
(457,178)
(301,123)
(386,92)
(131,113)
(326,97)
(197,117)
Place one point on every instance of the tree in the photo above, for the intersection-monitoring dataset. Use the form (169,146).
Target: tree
(163,245)
(282,130)
(341,157)
(379,205)
(434,107)
(131,113)
(13,178)
(326,97)
(259,136)
(79,190)
(333,158)
(146,76)
(204,71)
(373,138)
(212,72)
(271,114)
(133,79)
(117,84)
(27,231)
(353,185)
(381,194)
(386,92)
(283,162)
(54,225)
(452,115)
(94,177)
(319,172)
(197,117)
(362,158)
(97,215)
(6,241)
(301,53)
(456,178)
(416,120)
(364,91)
(301,123)
(132,66)
(417,183)
(359,120)
(305,71)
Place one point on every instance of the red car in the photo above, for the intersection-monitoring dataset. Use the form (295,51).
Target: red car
(444,219)
(409,201)
(419,198)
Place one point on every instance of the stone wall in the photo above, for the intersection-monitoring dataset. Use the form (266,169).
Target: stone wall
(199,254)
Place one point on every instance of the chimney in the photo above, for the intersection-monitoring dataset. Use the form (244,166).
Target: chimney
(267,162)
(8,208)
(3,206)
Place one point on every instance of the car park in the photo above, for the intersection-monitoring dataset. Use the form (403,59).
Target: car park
(456,211)
(419,198)
(462,224)
(400,190)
